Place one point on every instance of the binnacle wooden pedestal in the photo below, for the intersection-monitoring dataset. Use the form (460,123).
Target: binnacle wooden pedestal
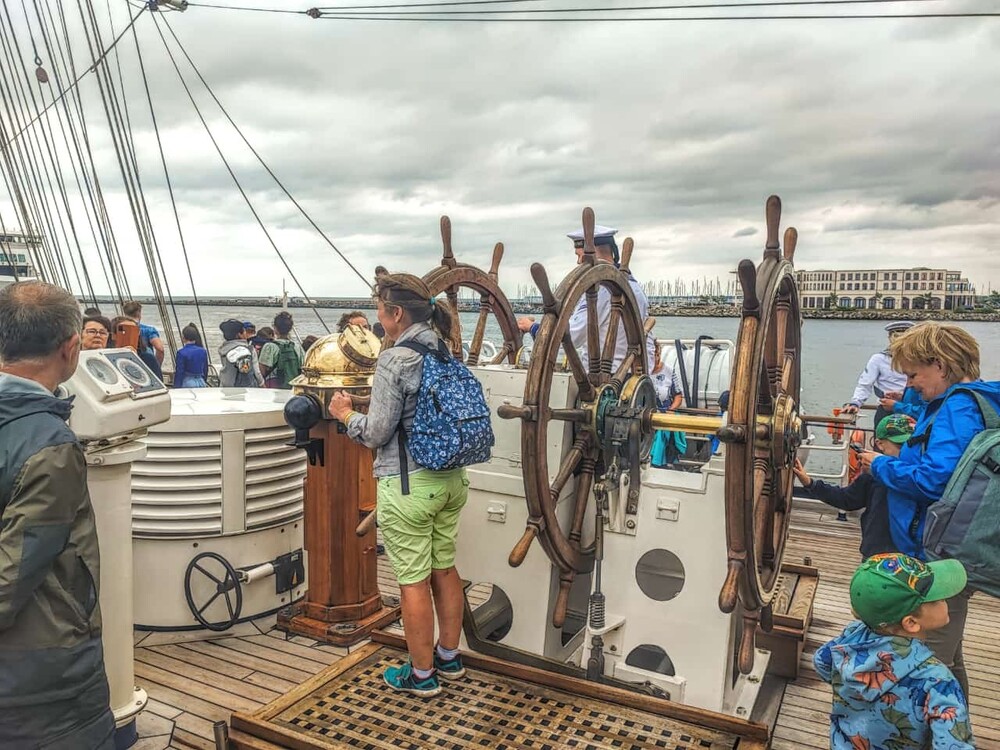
(343,604)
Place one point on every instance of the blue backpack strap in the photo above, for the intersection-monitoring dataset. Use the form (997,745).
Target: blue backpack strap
(404,469)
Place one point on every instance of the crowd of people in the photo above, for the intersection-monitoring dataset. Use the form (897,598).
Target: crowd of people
(898,672)
(250,358)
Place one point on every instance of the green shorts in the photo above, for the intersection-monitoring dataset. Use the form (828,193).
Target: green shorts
(419,529)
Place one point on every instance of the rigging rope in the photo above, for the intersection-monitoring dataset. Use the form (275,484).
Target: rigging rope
(232,174)
(279,183)
(166,174)
(87,198)
(113,250)
(109,100)
(92,68)
(392,12)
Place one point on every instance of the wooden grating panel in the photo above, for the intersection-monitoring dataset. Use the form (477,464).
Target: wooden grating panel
(354,708)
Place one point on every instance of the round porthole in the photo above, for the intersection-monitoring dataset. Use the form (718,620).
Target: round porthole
(651,658)
(660,574)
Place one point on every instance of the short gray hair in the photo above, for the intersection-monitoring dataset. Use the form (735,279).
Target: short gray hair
(35,320)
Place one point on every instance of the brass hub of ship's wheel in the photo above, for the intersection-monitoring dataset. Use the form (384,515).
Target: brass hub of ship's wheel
(450,277)
(615,416)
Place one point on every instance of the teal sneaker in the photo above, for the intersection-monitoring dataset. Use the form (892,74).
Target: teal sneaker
(449,669)
(403,680)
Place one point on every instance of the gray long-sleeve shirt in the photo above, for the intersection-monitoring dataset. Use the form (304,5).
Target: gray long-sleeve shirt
(396,382)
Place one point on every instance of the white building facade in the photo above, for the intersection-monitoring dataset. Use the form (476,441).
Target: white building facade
(885,289)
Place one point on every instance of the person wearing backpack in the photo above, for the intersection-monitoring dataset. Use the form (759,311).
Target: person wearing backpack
(427,419)
(240,368)
(281,359)
(941,362)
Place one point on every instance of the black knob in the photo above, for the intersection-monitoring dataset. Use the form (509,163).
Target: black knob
(303,412)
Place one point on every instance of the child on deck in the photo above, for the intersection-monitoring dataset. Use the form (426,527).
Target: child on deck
(191,365)
(889,691)
(865,493)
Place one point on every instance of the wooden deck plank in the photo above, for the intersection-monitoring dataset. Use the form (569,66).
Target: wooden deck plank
(216,651)
(215,678)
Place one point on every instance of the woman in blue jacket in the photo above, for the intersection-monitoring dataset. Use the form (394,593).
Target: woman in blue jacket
(941,362)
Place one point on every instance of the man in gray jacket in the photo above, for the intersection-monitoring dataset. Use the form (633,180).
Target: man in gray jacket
(53,687)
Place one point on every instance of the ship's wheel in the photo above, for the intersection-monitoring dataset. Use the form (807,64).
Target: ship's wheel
(763,433)
(450,276)
(615,417)
(601,383)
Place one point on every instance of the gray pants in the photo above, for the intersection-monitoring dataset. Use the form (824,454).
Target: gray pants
(946,643)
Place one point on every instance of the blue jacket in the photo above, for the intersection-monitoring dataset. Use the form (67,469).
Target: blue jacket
(891,693)
(191,362)
(911,404)
(918,477)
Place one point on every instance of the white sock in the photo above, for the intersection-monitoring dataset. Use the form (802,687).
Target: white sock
(422,674)
(446,654)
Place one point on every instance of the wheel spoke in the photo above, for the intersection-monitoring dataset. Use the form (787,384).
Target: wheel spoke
(579,416)
(456,325)
(209,602)
(624,368)
(480,332)
(786,372)
(584,484)
(569,463)
(206,573)
(593,336)
(611,336)
(229,606)
(576,367)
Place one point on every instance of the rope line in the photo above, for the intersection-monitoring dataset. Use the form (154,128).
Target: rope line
(278,182)
(232,174)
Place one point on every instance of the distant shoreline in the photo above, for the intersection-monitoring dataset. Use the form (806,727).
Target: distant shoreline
(523,308)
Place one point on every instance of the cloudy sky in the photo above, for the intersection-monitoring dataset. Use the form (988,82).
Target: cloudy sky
(881,137)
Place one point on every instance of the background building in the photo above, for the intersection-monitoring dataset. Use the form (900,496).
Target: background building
(886,289)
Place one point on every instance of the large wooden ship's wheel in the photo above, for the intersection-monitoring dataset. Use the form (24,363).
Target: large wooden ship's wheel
(450,276)
(615,417)
(601,383)
(764,433)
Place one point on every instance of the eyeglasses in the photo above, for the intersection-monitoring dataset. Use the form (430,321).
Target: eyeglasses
(96,332)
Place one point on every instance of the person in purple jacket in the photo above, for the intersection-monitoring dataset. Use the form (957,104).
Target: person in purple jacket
(191,363)
(941,363)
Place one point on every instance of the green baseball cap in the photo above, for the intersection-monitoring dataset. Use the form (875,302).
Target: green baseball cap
(887,588)
(897,428)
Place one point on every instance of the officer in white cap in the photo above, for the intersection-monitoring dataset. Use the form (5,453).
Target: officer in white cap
(878,375)
(606,250)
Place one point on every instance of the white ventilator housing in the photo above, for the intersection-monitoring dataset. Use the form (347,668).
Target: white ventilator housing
(219,477)
(116,399)
(662,568)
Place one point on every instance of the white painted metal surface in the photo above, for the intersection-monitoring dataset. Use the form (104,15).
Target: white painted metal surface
(218,477)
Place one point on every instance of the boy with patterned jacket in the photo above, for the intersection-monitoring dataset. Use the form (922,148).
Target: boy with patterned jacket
(889,691)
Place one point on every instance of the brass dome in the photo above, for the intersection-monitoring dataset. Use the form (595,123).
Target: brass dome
(340,360)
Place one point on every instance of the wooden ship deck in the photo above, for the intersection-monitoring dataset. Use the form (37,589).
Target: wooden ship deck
(192,685)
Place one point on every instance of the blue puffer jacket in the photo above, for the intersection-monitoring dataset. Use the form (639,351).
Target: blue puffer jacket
(891,693)
(918,477)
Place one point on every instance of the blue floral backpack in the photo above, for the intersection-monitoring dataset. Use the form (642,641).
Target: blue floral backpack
(451,426)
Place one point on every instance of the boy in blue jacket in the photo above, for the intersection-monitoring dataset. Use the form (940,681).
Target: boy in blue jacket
(889,691)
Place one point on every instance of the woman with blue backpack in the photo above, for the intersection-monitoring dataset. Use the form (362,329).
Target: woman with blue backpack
(427,420)
(941,362)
